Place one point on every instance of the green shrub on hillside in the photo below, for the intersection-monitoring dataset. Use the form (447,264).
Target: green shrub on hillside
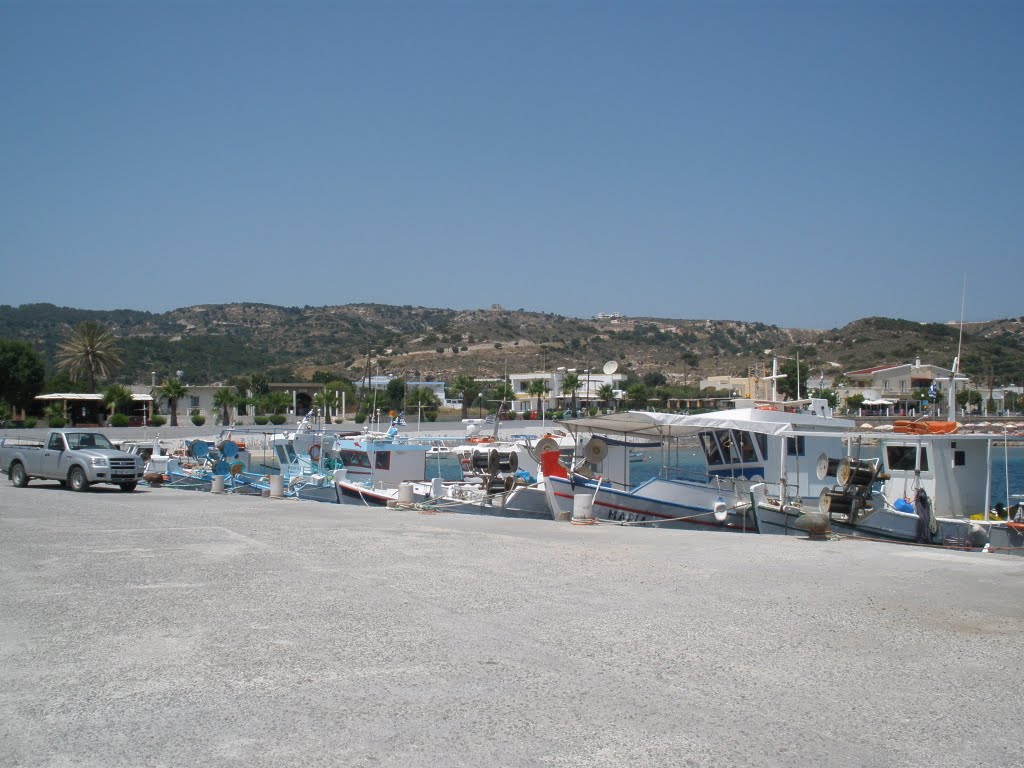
(118,420)
(260,420)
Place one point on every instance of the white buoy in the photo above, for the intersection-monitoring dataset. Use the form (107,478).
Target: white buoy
(437,487)
(276,486)
(720,509)
(217,484)
(340,475)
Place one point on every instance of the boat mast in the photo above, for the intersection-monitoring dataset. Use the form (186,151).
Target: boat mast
(951,394)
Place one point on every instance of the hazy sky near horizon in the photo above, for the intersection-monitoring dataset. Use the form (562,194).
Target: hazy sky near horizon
(796,163)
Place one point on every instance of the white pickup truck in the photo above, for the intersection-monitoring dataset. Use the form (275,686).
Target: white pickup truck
(76,458)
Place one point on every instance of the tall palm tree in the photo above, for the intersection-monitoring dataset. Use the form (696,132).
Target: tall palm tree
(571,384)
(538,388)
(89,351)
(173,390)
(224,399)
(467,388)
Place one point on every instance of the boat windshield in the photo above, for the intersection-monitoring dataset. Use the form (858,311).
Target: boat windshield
(732,446)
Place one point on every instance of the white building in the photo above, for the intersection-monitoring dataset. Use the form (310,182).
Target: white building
(591,383)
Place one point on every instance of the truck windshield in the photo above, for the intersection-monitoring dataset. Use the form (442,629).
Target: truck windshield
(87,440)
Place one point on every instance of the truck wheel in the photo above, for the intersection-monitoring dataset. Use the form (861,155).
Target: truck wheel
(128,487)
(18,476)
(77,480)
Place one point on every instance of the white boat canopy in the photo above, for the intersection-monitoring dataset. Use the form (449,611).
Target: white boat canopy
(667,425)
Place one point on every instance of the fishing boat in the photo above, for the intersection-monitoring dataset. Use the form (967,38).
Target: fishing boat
(739,453)
(196,463)
(930,484)
(926,486)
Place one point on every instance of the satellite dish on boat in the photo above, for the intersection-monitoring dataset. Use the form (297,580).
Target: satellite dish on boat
(596,450)
(610,367)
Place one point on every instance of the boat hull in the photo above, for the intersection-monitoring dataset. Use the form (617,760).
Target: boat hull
(659,503)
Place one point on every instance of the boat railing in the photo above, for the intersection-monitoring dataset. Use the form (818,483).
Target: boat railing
(687,474)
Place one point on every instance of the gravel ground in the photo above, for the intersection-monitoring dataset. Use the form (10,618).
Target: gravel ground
(166,628)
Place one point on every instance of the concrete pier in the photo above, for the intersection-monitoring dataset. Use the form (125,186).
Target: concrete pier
(163,628)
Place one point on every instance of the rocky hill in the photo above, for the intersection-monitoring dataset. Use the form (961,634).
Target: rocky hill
(215,342)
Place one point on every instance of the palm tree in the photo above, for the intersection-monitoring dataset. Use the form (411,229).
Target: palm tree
(90,350)
(637,395)
(117,396)
(326,401)
(606,393)
(538,388)
(277,402)
(571,384)
(422,399)
(224,399)
(173,390)
(467,388)
(503,393)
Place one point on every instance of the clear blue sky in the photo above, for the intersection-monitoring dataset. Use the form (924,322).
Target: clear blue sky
(797,163)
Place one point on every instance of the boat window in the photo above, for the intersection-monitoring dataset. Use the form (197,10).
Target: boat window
(746,446)
(959,458)
(762,444)
(355,459)
(795,446)
(903,457)
(727,440)
(711,450)
(382,460)
(900,457)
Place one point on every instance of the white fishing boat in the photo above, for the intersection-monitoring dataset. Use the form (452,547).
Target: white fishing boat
(929,484)
(738,452)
